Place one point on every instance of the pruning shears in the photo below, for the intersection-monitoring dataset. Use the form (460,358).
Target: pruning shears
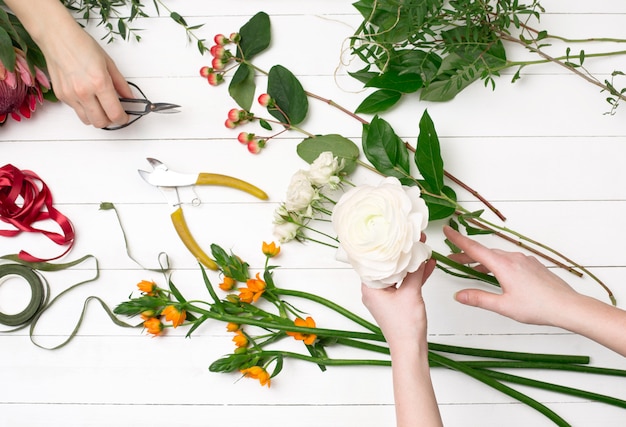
(168,182)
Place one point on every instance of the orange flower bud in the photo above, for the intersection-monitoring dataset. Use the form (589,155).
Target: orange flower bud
(175,315)
(270,249)
(227,284)
(153,326)
(147,286)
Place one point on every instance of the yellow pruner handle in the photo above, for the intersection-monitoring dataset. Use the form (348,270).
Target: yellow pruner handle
(229,181)
(180,225)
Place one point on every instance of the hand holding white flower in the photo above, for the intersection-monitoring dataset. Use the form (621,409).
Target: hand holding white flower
(379,230)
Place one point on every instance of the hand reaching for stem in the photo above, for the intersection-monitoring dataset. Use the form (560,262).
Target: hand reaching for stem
(530,293)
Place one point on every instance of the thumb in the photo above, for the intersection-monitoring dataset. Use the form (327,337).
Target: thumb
(477,298)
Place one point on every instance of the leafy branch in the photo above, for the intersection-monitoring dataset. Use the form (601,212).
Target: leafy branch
(439,48)
(386,152)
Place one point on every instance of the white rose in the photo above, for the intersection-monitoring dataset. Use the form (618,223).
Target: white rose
(286,231)
(379,229)
(323,170)
(300,193)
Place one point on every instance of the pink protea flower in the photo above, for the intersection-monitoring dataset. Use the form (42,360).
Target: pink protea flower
(20,90)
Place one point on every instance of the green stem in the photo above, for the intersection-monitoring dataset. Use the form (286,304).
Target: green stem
(465,269)
(570,367)
(333,306)
(481,376)
(555,387)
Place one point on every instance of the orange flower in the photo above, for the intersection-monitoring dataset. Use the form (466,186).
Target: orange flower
(174,315)
(307,338)
(240,339)
(153,326)
(232,327)
(257,373)
(228,284)
(254,290)
(270,249)
(148,287)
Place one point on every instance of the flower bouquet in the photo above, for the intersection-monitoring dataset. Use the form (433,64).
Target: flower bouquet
(263,318)
(261,314)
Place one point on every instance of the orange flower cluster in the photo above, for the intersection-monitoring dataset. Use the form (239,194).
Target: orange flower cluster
(308,339)
(152,319)
(253,290)
(257,373)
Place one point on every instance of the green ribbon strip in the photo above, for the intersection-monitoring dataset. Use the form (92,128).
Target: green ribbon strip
(40,297)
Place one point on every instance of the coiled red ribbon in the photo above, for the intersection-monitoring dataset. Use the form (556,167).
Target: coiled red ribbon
(25,200)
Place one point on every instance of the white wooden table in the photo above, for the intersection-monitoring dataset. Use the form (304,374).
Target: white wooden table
(540,149)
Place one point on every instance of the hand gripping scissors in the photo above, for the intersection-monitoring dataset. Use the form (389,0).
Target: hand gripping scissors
(136,108)
(168,182)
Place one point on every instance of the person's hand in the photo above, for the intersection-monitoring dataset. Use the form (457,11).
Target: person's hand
(530,292)
(82,74)
(400,311)
(86,78)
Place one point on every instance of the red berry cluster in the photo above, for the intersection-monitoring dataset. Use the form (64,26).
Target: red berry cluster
(221,57)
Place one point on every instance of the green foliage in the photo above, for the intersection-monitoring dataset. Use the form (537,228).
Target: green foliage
(292,104)
(255,36)
(341,147)
(386,151)
(450,45)
(242,86)
(428,155)
(379,101)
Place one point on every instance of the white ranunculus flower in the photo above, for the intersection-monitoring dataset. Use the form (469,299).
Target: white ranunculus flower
(379,229)
(300,193)
(324,169)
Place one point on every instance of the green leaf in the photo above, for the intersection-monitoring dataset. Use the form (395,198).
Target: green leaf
(121,28)
(288,94)
(255,36)
(461,68)
(341,147)
(428,154)
(386,151)
(242,86)
(392,80)
(178,19)
(264,124)
(381,100)
(179,297)
(364,75)
(439,208)
(7,53)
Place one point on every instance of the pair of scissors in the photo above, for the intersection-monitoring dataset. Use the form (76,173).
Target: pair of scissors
(139,107)
(168,182)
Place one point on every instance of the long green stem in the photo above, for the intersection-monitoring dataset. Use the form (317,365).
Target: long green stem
(555,387)
(492,382)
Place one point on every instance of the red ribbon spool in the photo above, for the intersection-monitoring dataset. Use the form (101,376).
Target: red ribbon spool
(25,200)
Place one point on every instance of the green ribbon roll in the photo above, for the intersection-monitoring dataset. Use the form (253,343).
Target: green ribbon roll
(37,290)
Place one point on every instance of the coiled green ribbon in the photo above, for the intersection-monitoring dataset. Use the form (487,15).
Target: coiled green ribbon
(40,295)
(37,290)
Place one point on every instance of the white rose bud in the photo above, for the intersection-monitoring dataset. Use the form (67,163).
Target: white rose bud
(286,231)
(379,230)
(324,169)
(300,193)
